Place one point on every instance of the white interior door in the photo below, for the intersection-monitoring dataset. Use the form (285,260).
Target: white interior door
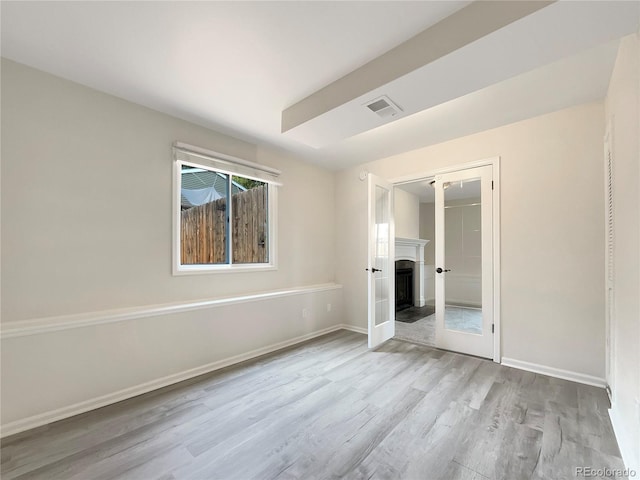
(380,265)
(464,261)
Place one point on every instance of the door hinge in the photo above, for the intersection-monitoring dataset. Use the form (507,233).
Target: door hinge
(491,184)
(493,328)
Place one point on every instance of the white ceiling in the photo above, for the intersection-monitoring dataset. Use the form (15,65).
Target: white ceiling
(570,81)
(421,189)
(479,58)
(235,66)
(455,191)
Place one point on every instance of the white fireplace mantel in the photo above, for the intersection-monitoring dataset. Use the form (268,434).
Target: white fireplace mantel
(413,249)
(410,249)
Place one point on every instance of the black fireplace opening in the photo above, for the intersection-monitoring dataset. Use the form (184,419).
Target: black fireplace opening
(404,284)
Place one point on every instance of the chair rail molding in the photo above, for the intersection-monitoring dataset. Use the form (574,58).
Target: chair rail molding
(39,326)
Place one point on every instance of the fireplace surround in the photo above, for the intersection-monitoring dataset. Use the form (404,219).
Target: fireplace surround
(412,250)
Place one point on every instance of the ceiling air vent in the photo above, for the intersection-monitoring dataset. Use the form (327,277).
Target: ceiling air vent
(383,107)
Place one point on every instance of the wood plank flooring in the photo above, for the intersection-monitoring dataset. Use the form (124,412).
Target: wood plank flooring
(330,408)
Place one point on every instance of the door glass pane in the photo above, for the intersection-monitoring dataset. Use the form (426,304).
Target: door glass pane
(463,256)
(381,255)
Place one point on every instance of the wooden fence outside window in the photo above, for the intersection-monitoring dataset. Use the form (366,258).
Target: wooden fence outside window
(203,230)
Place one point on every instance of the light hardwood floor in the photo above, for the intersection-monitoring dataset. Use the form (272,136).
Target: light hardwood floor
(330,408)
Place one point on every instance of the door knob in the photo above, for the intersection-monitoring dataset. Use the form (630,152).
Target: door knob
(440,270)
(373,270)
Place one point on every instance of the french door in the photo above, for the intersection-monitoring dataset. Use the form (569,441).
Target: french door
(381,262)
(464,261)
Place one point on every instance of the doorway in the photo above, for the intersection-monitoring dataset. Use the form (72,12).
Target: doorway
(414,215)
(451,218)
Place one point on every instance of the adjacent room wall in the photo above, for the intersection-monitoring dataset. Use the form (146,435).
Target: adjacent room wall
(406,214)
(622,113)
(428,232)
(463,247)
(463,285)
(552,232)
(87,228)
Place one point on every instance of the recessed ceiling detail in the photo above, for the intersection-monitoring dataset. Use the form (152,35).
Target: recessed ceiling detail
(508,61)
(476,47)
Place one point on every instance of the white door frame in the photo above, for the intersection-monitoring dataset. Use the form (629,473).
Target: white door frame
(495,163)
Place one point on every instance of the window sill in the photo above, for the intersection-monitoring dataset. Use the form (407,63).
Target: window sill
(210,269)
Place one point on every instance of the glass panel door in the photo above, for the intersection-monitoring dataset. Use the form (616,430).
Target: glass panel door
(463,256)
(464,262)
(382,262)
(380,267)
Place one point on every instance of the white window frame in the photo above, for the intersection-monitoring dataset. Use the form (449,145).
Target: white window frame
(210,160)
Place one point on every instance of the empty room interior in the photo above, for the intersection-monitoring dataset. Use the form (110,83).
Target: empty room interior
(308,240)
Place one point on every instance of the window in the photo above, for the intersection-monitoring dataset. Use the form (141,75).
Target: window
(224,213)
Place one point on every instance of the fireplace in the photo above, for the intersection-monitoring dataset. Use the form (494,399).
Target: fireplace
(404,284)
(409,272)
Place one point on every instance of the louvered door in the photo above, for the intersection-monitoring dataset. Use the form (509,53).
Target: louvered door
(610,264)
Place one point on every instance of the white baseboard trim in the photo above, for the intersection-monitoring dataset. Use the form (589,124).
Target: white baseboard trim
(353,328)
(555,372)
(38,420)
(629,456)
(65,322)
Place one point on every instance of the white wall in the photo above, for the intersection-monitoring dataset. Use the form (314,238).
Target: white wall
(552,232)
(60,370)
(428,232)
(463,253)
(86,198)
(86,227)
(406,214)
(623,112)
(463,285)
